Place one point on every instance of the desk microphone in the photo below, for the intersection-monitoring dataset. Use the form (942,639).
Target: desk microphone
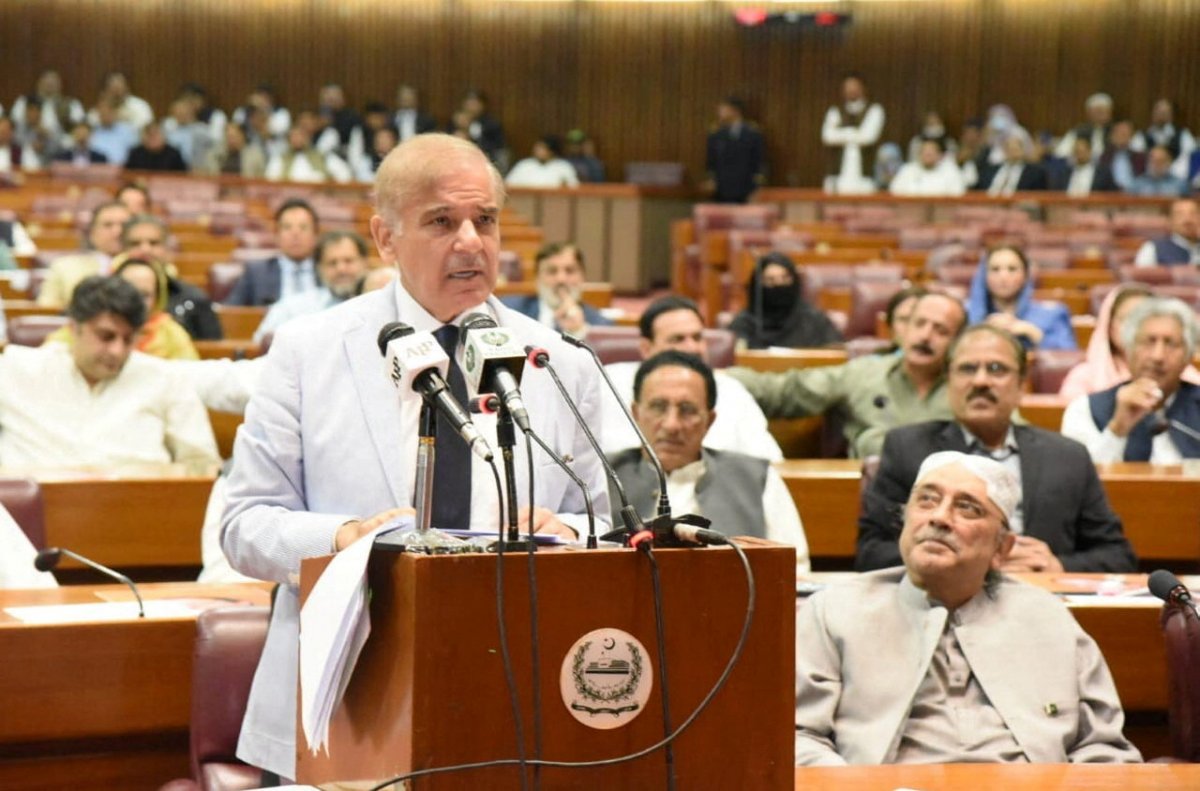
(48,558)
(493,360)
(1166,586)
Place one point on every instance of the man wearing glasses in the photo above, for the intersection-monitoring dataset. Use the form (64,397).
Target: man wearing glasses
(674,400)
(1063,520)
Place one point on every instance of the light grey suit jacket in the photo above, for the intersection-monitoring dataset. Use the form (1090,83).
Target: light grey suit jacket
(862,650)
(321,445)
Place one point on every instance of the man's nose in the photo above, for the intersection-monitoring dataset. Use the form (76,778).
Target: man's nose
(467,238)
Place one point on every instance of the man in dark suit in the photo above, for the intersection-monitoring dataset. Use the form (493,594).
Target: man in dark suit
(1064,521)
(80,152)
(735,154)
(290,272)
(1016,173)
(1123,162)
(558,303)
(408,120)
(1086,174)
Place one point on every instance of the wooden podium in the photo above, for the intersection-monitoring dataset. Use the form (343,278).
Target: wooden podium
(429,687)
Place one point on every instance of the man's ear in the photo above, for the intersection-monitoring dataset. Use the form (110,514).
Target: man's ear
(712,418)
(644,347)
(384,238)
(1007,542)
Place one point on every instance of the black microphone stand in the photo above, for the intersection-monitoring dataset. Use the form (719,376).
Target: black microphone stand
(506,435)
(426,462)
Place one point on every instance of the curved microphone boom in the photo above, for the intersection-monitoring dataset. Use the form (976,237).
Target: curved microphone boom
(417,360)
(48,558)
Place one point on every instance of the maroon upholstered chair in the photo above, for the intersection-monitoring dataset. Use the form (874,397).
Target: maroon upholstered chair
(725,217)
(222,277)
(22,498)
(1181,631)
(868,298)
(229,642)
(33,330)
(620,345)
(1150,275)
(1050,367)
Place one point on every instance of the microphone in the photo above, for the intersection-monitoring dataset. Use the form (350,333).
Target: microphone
(540,358)
(48,558)
(664,501)
(493,361)
(1166,586)
(415,360)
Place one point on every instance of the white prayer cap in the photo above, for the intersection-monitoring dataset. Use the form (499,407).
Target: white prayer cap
(1098,100)
(1002,486)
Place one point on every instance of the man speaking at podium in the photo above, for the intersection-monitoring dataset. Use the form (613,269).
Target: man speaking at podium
(328,449)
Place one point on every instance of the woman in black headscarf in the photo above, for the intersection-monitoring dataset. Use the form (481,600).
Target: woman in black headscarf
(776,313)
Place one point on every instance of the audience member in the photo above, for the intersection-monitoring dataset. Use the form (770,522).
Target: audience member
(131,110)
(79,151)
(776,312)
(484,129)
(898,313)
(933,174)
(1158,180)
(186,133)
(13,156)
(375,117)
(97,401)
(674,323)
(16,239)
(290,272)
(1163,132)
(205,113)
(146,236)
(1154,417)
(1099,111)
(850,132)
(944,660)
(160,335)
(874,393)
(1182,246)
(111,136)
(1105,364)
(674,400)
(258,131)
(343,120)
(57,112)
(276,120)
(39,146)
(736,154)
(1061,517)
(1002,295)
(133,196)
(559,299)
(972,154)
(341,266)
(1087,173)
(1122,160)
(300,161)
(409,120)
(1001,124)
(580,151)
(932,128)
(382,143)
(1017,173)
(544,170)
(17,554)
(154,153)
(236,156)
(102,241)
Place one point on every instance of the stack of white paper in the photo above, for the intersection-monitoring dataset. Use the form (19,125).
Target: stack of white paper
(334,624)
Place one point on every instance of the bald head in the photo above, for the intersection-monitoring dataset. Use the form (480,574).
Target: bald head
(416,165)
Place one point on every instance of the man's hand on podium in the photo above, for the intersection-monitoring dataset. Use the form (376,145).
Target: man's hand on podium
(355,529)
(545,521)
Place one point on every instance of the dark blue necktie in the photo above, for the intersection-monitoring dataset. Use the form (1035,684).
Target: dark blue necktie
(452,470)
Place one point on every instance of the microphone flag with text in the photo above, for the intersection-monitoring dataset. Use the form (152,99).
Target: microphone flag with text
(493,361)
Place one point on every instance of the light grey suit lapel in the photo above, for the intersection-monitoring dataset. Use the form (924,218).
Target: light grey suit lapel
(378,398)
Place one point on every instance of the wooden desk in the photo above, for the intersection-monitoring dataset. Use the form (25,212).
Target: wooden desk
(1002,777)
(107,701)
(149,518)
(1044,410)
(787,359)
(1158,505)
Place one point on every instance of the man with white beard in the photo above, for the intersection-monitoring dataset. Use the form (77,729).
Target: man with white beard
(559,300)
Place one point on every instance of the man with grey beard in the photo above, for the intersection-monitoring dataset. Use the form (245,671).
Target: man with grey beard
(976,667)
(1062,519)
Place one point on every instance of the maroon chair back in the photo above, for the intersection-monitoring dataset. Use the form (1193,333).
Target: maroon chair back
(229,642)
(33,330)
(868,298)
(222,278)
(1050,367)
(22,498)
(1181,631)
(621,345)
(725,217)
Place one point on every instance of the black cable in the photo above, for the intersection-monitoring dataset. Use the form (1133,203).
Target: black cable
(717,687)
(583,487)
(534,649)
(660,628)
(509,676)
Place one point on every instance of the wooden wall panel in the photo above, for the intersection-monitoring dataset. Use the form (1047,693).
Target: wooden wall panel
(642,77)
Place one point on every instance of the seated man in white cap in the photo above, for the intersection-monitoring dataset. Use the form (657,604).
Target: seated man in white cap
(945,660)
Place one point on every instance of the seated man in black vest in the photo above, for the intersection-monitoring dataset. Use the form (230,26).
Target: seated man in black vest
(1182,246)
(1155,416)
(1063,520)
(674,395)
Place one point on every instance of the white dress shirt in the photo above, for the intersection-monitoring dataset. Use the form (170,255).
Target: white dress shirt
(1080,185)
(850,179)
(531,172)
(294,306)
(16,557)
(779,509)
(1105,447)
(740,424)
(50,416)
(302,170)
(943,180)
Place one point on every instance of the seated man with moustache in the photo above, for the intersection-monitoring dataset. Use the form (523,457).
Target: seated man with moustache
(96,401)
(1154,416)
(559,300)
(102,241)
(674,400)
(1061,519)
(945,660)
